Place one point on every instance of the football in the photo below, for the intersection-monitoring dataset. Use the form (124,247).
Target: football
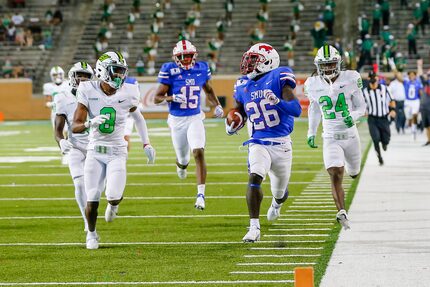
(237,117)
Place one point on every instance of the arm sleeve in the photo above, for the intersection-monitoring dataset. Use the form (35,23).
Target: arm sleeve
(47,90)
(141,128)
(208,72)
(358,102)
(135,98)
(291,108)
(164,75)
(82,97)
(59,106)
(314,117)
(286,77)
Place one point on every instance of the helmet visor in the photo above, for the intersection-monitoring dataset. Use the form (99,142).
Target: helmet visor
(82,76)
(329,68)
(117,74)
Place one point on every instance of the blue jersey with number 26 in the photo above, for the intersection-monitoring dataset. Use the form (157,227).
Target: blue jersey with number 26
(186,82)
(268,121)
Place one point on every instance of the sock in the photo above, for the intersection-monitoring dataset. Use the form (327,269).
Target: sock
(92,234)
(414,128)
(201,189)
(80,195)
(114,208)
(275,204)
(255,222)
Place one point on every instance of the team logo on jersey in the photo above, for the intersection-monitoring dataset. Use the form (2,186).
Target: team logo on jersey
(93,99)
(175,71)
(190,82)
(360,83)
(241,82)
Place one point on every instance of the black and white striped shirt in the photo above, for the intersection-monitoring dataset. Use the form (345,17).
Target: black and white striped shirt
(377,100)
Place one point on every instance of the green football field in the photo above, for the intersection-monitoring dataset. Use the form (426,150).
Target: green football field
(158,237)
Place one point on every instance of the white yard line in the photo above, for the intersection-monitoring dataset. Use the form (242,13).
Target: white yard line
(296,235)
(276,264)
(227,282)
(302,224)
(286,248)
(299,229)
(136,184)
(311,211)
(281,255)
(305,219)
(262,272)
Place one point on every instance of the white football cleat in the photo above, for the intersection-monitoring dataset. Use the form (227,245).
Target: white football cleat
(92,242)
(111,212)
(253,235)
(342,218)
(200,202)
(274,212)
(182,173)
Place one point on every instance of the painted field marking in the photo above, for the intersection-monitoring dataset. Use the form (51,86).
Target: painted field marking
(296,235)
(149,283)
(299,229)
(262,272)
(305,219)
(287,248)
(135,184)
(275,263)
(300,224)
(281,255)
(125,216)
(311,206)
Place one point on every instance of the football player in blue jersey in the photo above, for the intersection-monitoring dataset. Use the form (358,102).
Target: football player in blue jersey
(181,84)
(265,94)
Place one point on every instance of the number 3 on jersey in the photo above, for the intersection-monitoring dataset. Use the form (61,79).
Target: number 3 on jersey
(341,106)
(191,93)
(109,125)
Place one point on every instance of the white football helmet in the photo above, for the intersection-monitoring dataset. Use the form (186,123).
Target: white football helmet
(80,71)
(185,54)
(328,62)
(259,59)
(112,69)
(57,75)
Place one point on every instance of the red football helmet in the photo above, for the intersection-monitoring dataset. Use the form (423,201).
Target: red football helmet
(259,59)
(185,54)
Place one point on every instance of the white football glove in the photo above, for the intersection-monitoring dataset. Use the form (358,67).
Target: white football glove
(229,129)
(150,153)
(392,64)
(179,98)
(219,112)
(271,97)
(65,146)
(49,105)
(96,121)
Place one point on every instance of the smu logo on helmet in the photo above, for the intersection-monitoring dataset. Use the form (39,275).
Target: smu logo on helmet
(267,48)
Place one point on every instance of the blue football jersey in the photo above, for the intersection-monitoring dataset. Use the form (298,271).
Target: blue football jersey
(412,89)
(268,121)
(186,82)
(131,80)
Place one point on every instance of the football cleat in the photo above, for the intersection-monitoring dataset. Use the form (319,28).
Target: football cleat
(342,218)
(252,235)
(274,212)
(111,212)
(182,172)
(200,202)
(92,241)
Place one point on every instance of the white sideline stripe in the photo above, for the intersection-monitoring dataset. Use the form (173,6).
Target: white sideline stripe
(131,243)
(281,255)
(312,211)
(300,224)
(298,229)
(135,184)
(148,283)
(306,219)
(312,206)
(296,235)
(298,241)
(125,197)
(262,272)
(128,173)
(125,216)
(275,264)
(286,248)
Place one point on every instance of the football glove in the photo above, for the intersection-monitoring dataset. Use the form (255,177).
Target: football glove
(96,121)
(179,98)
(219,112)
(65,146)
(271,97)
(229,129)
(349,122)
(150,153)
(49,105)
(311,142)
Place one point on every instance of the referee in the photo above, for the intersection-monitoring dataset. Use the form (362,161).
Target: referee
(379,106)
